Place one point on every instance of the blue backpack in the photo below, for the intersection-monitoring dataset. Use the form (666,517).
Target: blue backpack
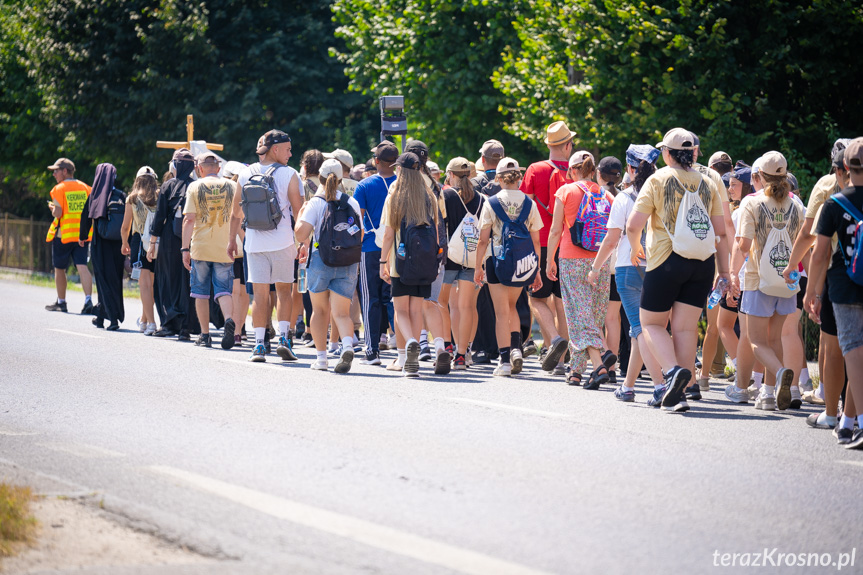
(516,262)
(854,264)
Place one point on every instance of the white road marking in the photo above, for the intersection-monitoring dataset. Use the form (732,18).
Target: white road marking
(243,362)
(76,333)
(506,407)
(10,431)
(81,450)
(860,463)
(365,532)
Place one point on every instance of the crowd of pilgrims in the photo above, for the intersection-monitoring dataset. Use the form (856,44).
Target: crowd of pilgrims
(601,269)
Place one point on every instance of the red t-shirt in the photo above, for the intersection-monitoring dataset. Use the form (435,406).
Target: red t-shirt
(571,196)
(536,184)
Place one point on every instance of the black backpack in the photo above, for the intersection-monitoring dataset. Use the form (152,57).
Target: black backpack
(340,241)
(418,256)
(109,227)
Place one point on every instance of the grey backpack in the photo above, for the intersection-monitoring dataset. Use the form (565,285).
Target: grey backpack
(260,202)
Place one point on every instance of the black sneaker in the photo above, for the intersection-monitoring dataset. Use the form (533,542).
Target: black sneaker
(612,376)
(184,336)
(843,435)
(204,340)
(481,357)
(228,337)
(300,329)
(88,309)
(425,352)
(164,332)
(528,349)
(856,440)
(555,352)
(57,306)
(693,392)
(675,381)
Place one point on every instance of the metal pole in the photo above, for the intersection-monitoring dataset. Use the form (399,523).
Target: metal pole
(32,245)
(5,240)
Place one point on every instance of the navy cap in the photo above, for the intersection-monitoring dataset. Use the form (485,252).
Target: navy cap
(742,172)
(637,153)
(408,161)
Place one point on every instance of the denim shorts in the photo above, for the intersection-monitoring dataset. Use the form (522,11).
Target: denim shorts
(452,276)
(629,282)
(341,280)
(759,304)
(849,318)
(436,286)
(222,278)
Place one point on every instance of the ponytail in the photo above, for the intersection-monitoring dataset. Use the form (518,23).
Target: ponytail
(777,187)
(465,187)
(683,157)
(331,187)
(644,170)
(586,169)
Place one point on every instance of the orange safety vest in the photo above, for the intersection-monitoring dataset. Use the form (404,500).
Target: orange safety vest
(71,196)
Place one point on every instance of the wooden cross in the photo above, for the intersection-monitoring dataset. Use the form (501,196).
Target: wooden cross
(190,133)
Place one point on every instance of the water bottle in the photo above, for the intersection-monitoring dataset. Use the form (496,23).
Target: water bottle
(795,277)
(717,293)
(401,250)
(302,282)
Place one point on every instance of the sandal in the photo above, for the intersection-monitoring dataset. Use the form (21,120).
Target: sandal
(608,359)
(574,378)
(597,377)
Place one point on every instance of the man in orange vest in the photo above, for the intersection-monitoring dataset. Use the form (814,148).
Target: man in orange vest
(68,198)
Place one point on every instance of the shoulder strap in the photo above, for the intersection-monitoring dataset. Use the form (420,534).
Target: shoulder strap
(343,201)
(846,205)
(496,206)
(526,206)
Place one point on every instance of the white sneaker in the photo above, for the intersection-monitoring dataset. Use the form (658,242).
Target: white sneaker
(321,365)
(765,402)
(384,343)
(736,396)
(142,325)
(392,343)
(754,392)
(796,399)
(806,386)
(503,370)
(151,329)
(516,360)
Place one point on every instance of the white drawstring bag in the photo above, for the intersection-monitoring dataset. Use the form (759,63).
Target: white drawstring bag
(693,236)
(775,255)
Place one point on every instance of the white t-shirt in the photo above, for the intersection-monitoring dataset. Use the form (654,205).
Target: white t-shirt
(283,236)
(620,211)
(316,208)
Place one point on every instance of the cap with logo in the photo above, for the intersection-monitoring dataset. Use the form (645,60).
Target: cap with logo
(343,156)
(331,166)
(610,166)
(418,148)
(408,161)
(579,157)
(508,165)
(183,155)
(677,139)
(492,149)
(270,139)
(854,154)
(62,164)
(146,171)
(557,133)
(386,151)
(773,164)
(206,158)
(719,157)
(459,166)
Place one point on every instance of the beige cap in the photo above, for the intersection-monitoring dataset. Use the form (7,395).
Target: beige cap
(331,166)
(508,165)
(677,139)
(579,157)
(63,164)
(459,166)
(854,154)
(206,158)
(147,171)
(718,157)
(557,133)
(774,164)
(343,156)
(492,149)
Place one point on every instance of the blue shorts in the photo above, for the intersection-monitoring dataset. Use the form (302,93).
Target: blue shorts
(61,254)
(759,304)
(452,276)
(630,279)
(341,280)
(222,278)
(849,318)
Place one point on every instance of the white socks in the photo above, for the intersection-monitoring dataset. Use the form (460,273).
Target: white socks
(347,342)
(322,356)
(847,422)
(758,378)
(260,335)
(804,376)
(403,357)
(87,299)
(767,390)
(439,346)
(284,328)
(824,418)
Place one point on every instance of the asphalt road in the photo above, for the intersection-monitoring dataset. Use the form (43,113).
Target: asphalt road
(280,469)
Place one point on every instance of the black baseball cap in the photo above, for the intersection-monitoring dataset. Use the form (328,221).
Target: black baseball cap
(419,148)
(272,138)
(610,166)
(408,161)
(386,151)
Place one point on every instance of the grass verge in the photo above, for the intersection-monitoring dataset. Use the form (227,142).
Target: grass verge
(130,288)
(16,523)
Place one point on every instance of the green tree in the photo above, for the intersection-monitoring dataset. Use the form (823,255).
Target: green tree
(440,55)
(746,77)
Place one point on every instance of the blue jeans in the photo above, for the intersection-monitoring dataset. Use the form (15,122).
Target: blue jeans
(374,294)
(629,282)
(222,276)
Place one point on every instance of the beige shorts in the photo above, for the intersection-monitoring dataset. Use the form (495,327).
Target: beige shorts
(272,267)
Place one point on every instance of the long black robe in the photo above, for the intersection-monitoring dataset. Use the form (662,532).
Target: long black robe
(171,277)
(108,260)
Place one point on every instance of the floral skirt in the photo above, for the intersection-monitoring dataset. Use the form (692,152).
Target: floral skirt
(585,307)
